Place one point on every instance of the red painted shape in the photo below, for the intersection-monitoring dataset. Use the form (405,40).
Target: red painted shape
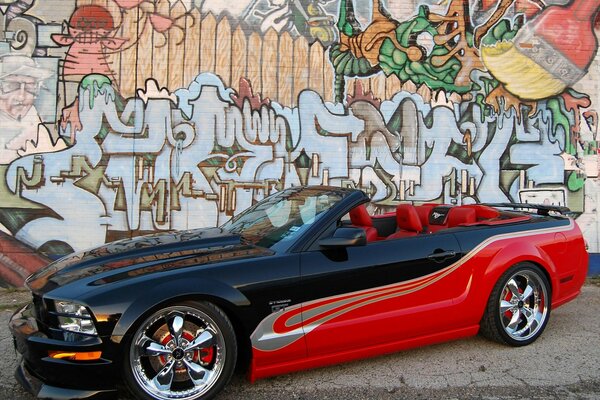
(90,36)
(70,116)
(91,18)
(575,104)
(160,23)
(18,261)
(569,29)
(360,95)
(246,93)
(128,4)
(521,6)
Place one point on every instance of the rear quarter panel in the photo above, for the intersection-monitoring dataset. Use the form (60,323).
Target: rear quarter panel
(555,245)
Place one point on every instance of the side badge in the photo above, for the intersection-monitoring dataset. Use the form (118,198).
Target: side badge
(279,305)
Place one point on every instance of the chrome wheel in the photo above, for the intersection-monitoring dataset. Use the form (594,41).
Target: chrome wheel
(179,352)
(523,305)
(519,306)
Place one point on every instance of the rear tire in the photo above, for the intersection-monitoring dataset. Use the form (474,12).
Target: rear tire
(519,306)
(185,351)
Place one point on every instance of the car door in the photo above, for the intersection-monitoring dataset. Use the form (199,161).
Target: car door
(379,293)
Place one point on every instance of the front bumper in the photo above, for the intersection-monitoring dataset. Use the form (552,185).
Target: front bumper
(47,377)
(35,386)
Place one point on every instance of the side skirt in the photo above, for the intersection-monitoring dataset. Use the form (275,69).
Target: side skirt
(366,352)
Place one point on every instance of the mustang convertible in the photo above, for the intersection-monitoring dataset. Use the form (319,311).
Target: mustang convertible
(304,278)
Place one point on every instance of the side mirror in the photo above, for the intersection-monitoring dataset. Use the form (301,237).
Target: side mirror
(345,237)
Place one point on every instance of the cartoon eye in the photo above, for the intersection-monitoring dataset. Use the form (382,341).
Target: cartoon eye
(425,40)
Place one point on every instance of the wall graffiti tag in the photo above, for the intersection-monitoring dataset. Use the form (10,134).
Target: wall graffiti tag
(121,118)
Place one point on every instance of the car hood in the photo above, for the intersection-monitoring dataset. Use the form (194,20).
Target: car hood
(130,258)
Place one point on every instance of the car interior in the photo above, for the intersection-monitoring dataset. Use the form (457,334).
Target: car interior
(411,220)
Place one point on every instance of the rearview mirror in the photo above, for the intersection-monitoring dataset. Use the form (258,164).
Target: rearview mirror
(345,237)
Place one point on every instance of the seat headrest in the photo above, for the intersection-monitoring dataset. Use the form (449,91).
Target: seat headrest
(439,215)
(461,215)
(483,211)
(360,217)
(424,210)
(407,218)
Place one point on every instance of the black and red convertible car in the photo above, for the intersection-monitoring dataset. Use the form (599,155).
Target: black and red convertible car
(302,279)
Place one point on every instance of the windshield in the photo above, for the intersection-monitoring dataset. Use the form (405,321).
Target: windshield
(283,216)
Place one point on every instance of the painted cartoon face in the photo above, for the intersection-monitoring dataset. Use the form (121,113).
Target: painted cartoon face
(17,94)
(419,58)
(92,27)
(90,24)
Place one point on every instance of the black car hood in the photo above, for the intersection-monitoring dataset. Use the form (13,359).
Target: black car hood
(142,255)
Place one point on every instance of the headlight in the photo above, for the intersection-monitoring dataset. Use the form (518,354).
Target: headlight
(74,317)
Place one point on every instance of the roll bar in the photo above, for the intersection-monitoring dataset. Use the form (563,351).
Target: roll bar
(542,209)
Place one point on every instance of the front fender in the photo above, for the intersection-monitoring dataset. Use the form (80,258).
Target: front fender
(169,291)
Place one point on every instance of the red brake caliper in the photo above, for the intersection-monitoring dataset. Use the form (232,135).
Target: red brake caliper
(205,355)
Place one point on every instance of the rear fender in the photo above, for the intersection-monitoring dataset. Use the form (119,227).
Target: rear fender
(511,254)
(170,291)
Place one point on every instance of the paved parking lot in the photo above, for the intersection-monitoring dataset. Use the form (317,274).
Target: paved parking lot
(563,364)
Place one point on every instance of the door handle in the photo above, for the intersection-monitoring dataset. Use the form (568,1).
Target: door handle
(441,256)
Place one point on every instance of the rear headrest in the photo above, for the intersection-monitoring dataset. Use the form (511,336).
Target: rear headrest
(439,215)
(407,218)
(484,212)
(360,217)
(424,210)
(461,215)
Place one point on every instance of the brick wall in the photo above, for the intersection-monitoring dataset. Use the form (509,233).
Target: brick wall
(124,117)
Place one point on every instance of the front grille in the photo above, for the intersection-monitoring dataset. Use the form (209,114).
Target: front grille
(42,315)
(39,308)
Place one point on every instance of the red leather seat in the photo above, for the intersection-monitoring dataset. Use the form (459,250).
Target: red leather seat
(461,215)
(424,210)
(483,212)
(408,222)
(361,219)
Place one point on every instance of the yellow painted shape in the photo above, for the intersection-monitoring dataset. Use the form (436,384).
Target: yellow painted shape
(520,75)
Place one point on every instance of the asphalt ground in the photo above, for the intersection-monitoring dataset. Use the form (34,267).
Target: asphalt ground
(564,363)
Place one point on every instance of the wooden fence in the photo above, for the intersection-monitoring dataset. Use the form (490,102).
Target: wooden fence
(278,65)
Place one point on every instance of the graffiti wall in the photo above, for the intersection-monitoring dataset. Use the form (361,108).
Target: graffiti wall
(125,117)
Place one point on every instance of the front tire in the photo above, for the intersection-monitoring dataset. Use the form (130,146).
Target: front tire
(519,306)
(185,352)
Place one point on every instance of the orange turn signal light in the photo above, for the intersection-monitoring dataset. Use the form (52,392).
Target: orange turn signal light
(76,356)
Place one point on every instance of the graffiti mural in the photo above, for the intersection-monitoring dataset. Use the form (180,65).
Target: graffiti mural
(121,118)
